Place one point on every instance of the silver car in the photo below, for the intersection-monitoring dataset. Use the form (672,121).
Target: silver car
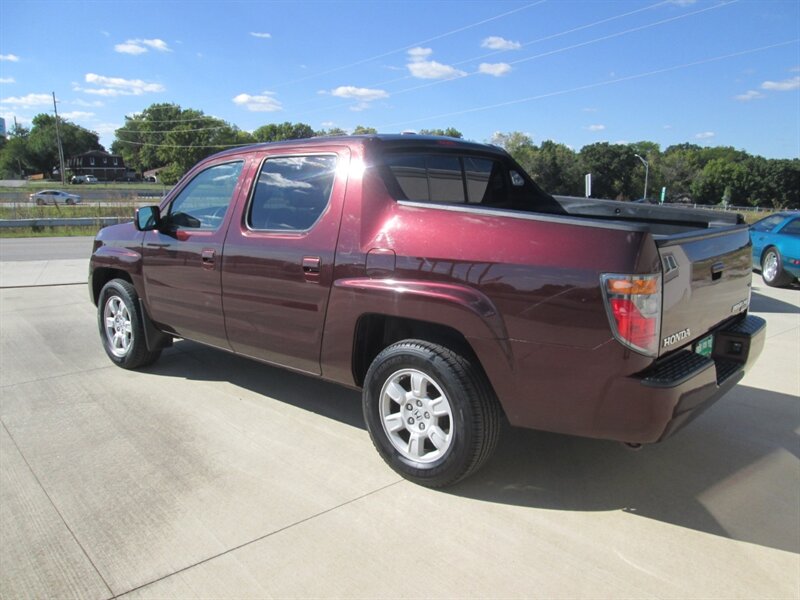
(54,197)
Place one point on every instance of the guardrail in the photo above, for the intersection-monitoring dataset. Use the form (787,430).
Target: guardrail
(70,222)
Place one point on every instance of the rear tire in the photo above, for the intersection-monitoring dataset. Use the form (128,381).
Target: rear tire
(121,327)
(772,269)
(430,412)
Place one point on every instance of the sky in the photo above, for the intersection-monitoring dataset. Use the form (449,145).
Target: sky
(707,72)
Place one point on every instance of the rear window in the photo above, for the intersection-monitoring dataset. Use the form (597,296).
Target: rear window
(450,179)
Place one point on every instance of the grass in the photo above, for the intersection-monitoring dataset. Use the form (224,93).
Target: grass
(26,232)
(66,212)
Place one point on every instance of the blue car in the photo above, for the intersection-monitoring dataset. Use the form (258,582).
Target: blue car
(776,248)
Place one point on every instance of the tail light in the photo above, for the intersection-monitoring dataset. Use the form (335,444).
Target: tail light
(633,304)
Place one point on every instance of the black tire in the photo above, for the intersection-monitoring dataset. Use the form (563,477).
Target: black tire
(123,337)
(70,201)
(39,202)
(772,269)
(465,437)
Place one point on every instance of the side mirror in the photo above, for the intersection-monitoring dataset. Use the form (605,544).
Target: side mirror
(147,218)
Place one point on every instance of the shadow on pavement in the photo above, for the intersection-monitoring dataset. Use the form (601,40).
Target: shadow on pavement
(764,304)
(732,473)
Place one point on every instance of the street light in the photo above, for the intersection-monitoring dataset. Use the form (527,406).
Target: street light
(646,172)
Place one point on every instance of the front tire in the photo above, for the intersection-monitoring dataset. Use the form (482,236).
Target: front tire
(121,328)
(430,412)
(772,269)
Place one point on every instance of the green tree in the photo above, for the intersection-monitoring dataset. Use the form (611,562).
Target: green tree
(611,166)
(276,132)
(361,130)
(449,132)
(14,156)
(332,132)
(555,167)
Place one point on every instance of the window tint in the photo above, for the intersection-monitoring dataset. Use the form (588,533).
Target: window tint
(768,224)
(444,179)
(202,204)
(410,174)
(291,192)
(447,178)
(792,228)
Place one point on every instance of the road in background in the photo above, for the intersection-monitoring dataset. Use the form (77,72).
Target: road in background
(210,475)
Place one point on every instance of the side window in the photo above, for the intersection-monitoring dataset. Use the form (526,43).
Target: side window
(291,192)
(792,227)
(410,174)
(202,204)
(444,179)
(486,182)
(768,224)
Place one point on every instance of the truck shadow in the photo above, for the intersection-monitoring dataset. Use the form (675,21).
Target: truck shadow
(764,304)
(732,473)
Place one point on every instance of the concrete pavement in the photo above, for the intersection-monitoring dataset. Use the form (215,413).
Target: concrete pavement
(208,475)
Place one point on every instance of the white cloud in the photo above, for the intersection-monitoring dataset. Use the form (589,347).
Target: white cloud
(596,127)
(429,69)
(682,2)
(264,36)
(705,135)
(589,109)
(76,114)
(106,128)
(28,101)
(357,93)
(328,124)
(795,69)
(494,69)
(117,86)
(141,46)
(260,103)
(495,42)
(9,57)
(418,53)
(7,80)
(130,48)
(749,95)
(782,86)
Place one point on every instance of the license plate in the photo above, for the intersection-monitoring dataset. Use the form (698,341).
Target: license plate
(705,346)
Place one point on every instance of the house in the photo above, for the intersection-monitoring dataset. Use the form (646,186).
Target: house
(104,166)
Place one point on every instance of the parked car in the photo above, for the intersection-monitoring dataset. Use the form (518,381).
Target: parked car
(76,179)
(776,248)
(54,197)
(437,277)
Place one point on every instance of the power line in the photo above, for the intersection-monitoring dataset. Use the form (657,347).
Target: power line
(544,54)
(390,52)
(137,131)
(596,85)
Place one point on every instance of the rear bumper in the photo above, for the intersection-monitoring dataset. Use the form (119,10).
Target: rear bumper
(690,383)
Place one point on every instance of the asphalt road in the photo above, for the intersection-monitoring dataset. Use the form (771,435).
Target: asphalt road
(207,475)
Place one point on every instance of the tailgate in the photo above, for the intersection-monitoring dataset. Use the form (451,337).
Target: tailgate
(707,279)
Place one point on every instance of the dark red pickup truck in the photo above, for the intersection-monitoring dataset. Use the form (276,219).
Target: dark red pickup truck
(435,275)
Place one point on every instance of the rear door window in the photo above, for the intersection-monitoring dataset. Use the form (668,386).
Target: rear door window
(292,192)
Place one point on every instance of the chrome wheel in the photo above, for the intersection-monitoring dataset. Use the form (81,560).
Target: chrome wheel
(770,267)
(416,416)
(118,329)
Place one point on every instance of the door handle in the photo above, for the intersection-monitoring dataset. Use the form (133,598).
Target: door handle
(207,256)
(311,264)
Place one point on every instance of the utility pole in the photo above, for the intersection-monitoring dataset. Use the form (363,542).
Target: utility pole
(646,173)
(60,149)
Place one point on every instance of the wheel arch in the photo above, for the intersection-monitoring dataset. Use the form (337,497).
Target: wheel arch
(102,275)
(376,331)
